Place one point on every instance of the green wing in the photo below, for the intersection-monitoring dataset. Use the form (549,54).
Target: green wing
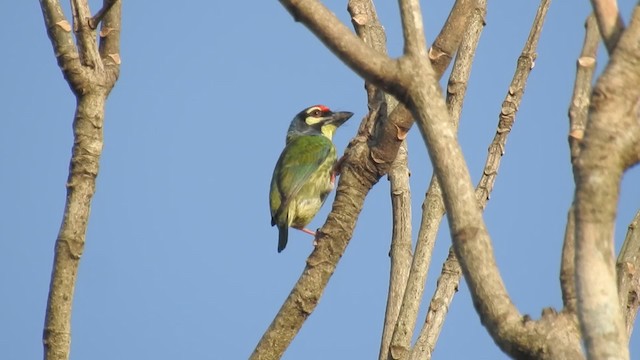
(301,157)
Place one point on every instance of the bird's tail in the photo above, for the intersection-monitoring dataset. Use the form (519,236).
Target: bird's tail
(283,236)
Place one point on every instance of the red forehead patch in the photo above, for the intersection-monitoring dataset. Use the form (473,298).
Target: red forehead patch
(322,108)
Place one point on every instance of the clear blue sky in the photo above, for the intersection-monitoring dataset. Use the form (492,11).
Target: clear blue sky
(180,260)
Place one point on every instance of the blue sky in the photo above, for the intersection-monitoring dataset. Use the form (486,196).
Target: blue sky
(180,260)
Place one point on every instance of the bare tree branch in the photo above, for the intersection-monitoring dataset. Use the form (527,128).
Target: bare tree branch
(446,43)
(85,35)
(110,40)
(456,91)
(433,207)
(59,31)
(611,144)
(360,57)
(97,18)
(628,275)
(446,288)
(609,22)
(567,267)
(413,82)
(91,85)
(586,66)
(516,335)
(400,246)
(412,28)
(365,22)
(578,113)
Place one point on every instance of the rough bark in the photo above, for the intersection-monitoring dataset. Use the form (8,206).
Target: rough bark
(611,144)
(91,69)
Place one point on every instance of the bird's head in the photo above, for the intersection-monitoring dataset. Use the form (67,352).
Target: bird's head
(317,120)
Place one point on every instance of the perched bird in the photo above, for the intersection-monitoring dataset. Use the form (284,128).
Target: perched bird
(304,174)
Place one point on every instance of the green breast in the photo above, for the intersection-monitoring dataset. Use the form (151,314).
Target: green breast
(301,180)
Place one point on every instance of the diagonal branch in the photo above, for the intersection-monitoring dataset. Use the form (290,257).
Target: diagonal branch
(59,31)
(364,60)
(446,43)
(586,66)
(85,35)
(609,22)
(97,18)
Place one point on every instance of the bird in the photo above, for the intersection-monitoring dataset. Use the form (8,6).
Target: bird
(305,171)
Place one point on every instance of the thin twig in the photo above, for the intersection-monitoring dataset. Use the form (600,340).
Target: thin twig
(97,18)
(446,287)
(567,267)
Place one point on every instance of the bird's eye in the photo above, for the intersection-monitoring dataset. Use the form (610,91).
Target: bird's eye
(316,112)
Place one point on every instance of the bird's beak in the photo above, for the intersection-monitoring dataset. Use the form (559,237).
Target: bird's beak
(338,118)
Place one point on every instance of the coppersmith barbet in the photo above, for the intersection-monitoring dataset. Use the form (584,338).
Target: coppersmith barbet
(304,174)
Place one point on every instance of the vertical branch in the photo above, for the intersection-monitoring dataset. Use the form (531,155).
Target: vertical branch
(611,144)
(109,47)
(412,28)
(585,69)
(578,112)
(83,70)
(567,267)
(365,22)
(85,35)
(87,131)
(400,246)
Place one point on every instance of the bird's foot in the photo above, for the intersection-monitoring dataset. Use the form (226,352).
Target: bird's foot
(310,232)
(307,231)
